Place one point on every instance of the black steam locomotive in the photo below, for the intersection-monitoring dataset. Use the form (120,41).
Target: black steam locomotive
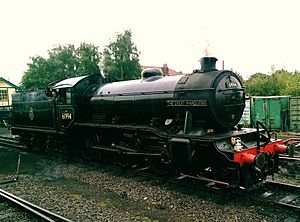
(188,123)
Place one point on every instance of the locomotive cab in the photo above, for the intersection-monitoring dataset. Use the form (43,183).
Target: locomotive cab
(56,108)
(64,106)
(72,96)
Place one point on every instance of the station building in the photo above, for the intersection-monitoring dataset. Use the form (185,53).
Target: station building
(6,90)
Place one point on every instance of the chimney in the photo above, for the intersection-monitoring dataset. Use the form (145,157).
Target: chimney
(208,64)
(165,69)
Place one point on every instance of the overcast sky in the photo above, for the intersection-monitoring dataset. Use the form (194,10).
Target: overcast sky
(250,36)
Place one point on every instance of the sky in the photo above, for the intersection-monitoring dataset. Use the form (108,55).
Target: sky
(250,36)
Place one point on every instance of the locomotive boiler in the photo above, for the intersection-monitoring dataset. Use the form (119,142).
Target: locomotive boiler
(185,123)
(213,99)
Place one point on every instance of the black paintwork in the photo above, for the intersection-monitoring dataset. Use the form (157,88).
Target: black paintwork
(57,106)
(166,118)
(215,99)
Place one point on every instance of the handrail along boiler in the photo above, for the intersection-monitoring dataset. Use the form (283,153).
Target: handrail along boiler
(186,122)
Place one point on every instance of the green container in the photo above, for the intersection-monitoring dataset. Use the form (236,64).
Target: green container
(294,113)
(246,114)
(272,111)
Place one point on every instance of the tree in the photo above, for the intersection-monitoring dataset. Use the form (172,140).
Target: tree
(121,58)
(279,83)
(39,73)
(258,85)
(254,83)
(62,62)
(280,79)
(293,85)
(88,59)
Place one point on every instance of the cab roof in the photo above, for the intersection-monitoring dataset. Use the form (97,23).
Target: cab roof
(67,83)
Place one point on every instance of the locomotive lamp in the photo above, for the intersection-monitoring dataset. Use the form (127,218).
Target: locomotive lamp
(238,145)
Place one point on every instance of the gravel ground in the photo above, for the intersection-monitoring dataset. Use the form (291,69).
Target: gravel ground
(90,192)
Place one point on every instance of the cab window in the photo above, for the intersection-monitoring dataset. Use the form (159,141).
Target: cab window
(68,96)
(65,96)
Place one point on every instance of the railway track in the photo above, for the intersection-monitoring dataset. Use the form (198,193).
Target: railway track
(271,192)
(289,158)
(287,195)
(30,208)
(287,199)
(267,197)
(11,142)
(9,201)
(270,195)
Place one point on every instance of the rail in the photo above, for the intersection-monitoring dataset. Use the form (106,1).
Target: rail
(291,199)
(11,142)
(289,158)
(32,208)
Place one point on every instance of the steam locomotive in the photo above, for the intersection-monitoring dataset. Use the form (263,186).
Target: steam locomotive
(187,123)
